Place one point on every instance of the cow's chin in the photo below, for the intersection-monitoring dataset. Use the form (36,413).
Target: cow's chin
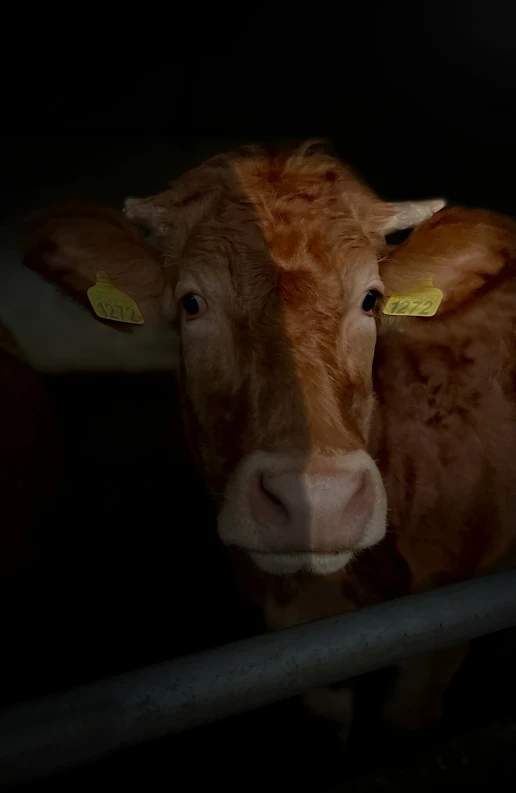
(300,562)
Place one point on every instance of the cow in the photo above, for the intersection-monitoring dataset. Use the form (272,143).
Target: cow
(352,455)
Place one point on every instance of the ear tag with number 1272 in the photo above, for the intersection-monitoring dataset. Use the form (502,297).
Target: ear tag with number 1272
(111,303)
(423,301)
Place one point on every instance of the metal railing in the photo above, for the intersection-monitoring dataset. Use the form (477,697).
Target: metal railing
(89,722)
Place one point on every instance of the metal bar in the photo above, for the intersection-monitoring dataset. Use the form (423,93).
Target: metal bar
(77,726)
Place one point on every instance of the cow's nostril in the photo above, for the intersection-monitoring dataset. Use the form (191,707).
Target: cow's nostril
(268,492)
(267,507)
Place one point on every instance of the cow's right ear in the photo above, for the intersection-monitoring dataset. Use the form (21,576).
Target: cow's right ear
(72,243)
(462,252)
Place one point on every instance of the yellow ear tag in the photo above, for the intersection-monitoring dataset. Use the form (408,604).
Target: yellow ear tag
(111,303)
(423,301)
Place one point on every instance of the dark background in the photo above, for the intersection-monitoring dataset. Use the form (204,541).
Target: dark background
(420,98)
(421,101)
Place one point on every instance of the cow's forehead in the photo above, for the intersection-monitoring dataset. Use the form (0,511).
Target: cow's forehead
(311,210)
(255,216)
(301,214)
(277,229)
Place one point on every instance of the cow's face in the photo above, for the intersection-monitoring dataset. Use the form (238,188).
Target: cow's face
(276,279)
(269,267)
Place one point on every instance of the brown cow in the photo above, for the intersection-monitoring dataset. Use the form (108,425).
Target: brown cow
(313,416)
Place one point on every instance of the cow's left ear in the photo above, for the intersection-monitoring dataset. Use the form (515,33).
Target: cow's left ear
(462,252)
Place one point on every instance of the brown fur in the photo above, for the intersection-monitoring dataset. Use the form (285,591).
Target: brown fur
(445,429)
(283,250)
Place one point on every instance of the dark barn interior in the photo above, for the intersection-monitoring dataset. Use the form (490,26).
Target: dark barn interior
(420,108)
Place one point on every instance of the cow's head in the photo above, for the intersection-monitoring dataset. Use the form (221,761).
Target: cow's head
(274,266)
(271,270)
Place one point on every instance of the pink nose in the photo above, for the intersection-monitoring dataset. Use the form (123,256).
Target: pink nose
(324,511)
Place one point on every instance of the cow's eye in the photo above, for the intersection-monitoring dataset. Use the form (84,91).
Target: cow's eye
(370,300)
(193,305)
